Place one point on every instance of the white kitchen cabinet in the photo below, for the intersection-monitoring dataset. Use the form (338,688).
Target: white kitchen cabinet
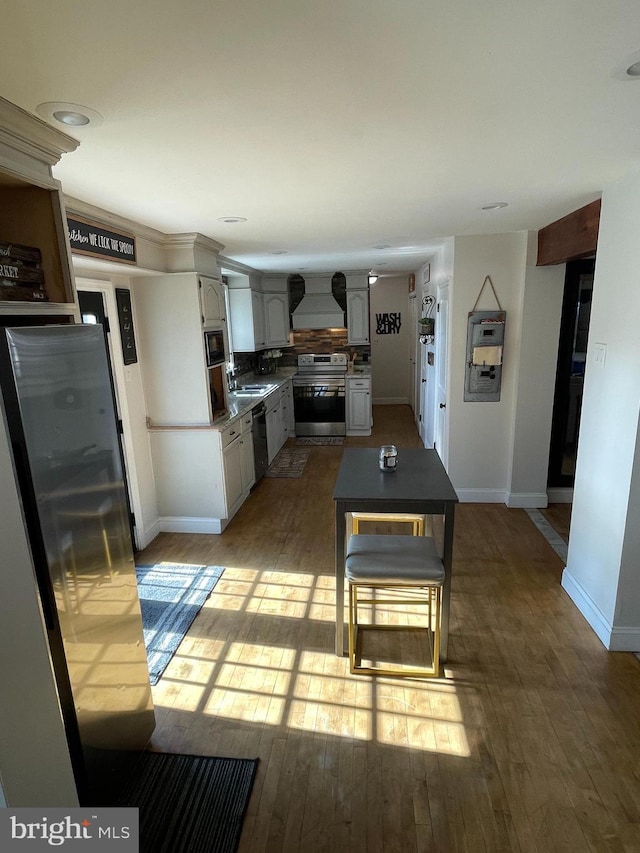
(359,405)
(358,316)
(247,465)
(276,318)
(277,421)
(211,301)
(247,320)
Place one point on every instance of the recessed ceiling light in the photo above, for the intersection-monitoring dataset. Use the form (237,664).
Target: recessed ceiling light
(629,67)
(230,220)
(71,115)
(494,205)
(383,246)
(633,70)
(279,252)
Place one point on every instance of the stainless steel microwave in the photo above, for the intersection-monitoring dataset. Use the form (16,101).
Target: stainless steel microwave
(214,347)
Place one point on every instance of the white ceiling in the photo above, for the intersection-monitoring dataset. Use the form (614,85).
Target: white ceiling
(338,126)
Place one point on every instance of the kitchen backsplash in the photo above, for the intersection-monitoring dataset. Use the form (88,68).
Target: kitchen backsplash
(306,340)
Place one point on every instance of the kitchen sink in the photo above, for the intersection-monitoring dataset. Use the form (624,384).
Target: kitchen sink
(255,390)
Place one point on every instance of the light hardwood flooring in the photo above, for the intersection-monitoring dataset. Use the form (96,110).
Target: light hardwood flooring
(531,741)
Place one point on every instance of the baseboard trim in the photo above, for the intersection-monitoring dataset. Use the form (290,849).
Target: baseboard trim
(589,609)
(560,496)
(185,524)
(527,500)
(146,535)
(482,496)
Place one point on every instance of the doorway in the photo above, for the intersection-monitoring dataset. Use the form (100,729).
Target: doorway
(92,310)
(572,353)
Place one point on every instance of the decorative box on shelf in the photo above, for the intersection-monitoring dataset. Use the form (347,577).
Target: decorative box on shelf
(21,273)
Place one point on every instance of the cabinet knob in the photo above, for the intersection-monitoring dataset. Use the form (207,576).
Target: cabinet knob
(443,405)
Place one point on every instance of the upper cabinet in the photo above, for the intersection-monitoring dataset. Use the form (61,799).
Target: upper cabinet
(276,319)
(247,320)
(35,260)
(259,312)
(211,301)
(358,316)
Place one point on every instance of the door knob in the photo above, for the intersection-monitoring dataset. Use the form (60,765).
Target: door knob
(443,405)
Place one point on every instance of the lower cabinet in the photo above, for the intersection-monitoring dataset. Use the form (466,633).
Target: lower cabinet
(279,406)
(359,418)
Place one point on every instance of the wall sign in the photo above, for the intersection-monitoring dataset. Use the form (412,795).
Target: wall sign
(388,324)
(125,320)
(89,238)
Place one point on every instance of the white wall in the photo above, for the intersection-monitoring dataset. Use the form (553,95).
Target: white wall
(602,573)
(481,434)
(35,766)
(390,353)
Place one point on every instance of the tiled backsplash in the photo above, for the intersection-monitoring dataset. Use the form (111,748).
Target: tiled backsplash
(306,340)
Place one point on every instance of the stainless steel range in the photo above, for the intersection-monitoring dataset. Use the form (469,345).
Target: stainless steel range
(319,393)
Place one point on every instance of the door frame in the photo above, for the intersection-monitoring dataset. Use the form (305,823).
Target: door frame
(114,351)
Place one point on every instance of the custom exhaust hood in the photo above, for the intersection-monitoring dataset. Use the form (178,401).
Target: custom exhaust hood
(318,308)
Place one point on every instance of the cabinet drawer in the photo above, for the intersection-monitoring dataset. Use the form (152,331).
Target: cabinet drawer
(359,383)
(230,433)
(246,423)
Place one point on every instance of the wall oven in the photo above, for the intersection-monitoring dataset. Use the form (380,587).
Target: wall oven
(319,394)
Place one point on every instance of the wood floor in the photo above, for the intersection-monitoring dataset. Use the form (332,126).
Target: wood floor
(531,741)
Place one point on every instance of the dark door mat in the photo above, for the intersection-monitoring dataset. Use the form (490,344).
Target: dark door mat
(188,803)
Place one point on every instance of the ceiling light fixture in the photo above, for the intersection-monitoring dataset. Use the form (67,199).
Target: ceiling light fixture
(383,246)
(629,67)
(71,115)
(231,220)
(279,252)
(494,205)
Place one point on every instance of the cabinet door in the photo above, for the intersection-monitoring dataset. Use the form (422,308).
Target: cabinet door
(359,405)
(358,316)
(257,309)
(247,466)
(233,474)
(276,316)
(211,301)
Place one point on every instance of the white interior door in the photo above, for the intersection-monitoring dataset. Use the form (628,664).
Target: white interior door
(441,432)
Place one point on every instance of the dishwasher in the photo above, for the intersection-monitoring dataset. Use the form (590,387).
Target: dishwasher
(259,430)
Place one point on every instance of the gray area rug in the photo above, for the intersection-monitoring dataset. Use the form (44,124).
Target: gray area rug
(171,595)
(288,463)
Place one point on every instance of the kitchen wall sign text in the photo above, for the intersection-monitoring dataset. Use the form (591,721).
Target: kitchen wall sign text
(90,238)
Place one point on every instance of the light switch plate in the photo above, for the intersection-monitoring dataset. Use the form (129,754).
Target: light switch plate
(599,354)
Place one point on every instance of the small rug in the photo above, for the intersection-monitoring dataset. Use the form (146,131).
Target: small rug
(288,463)
(332,440)
(188,803)
(171,596)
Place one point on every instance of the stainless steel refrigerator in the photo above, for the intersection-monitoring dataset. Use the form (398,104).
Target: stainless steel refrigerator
(58,404)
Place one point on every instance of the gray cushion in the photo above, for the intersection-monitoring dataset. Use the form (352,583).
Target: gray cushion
(393,559)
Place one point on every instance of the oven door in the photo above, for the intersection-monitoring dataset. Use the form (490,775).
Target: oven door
(319,406)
